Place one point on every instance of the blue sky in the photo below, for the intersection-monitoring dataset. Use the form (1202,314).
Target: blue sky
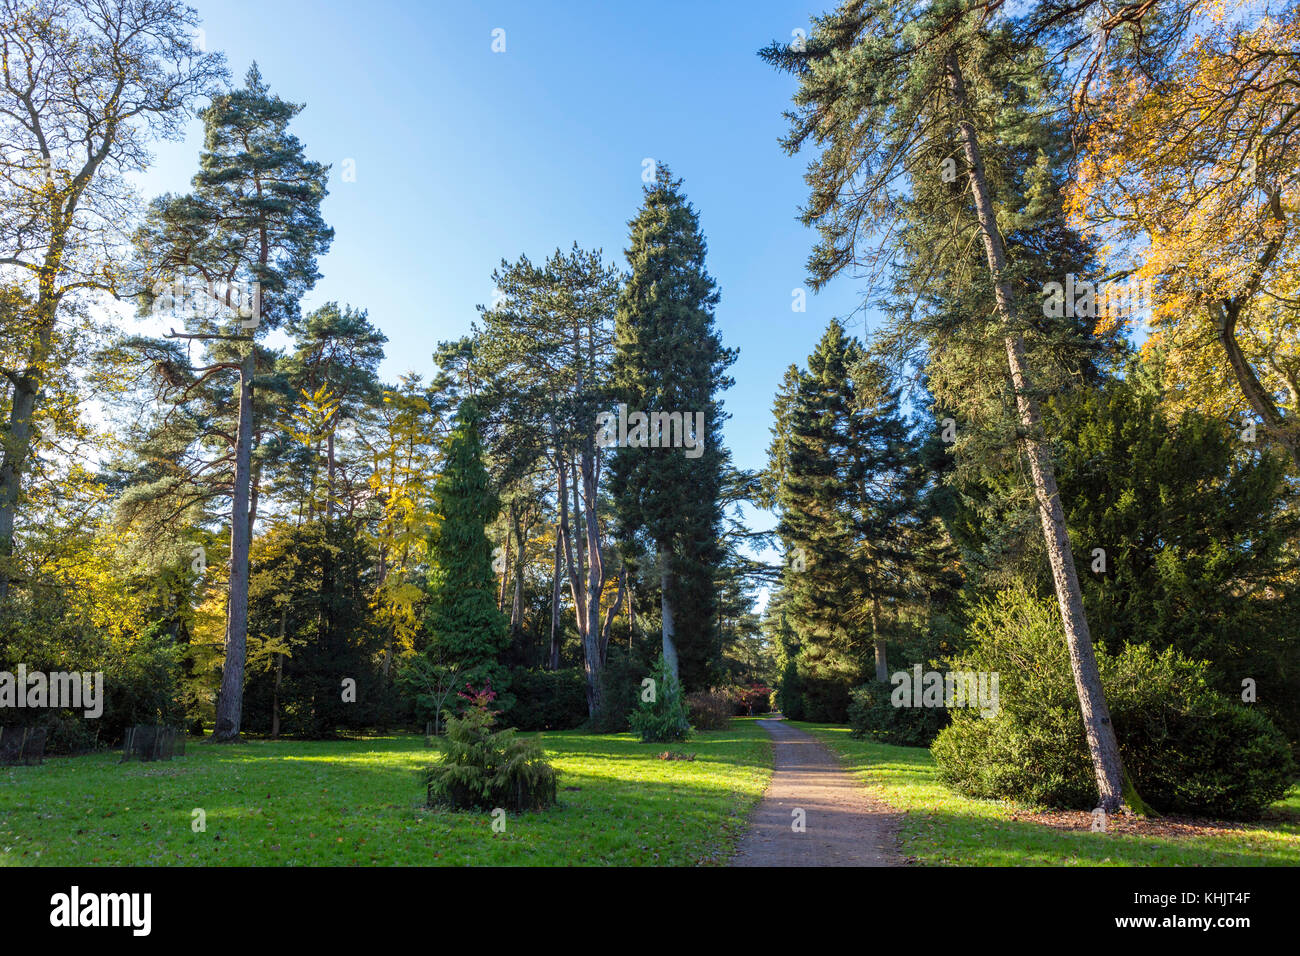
(464,156)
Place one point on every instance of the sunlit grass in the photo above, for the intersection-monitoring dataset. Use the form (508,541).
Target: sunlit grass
(942,828)
(360,802)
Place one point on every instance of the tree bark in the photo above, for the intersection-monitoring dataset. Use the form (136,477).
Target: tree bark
(231,702)
(279,675)
(506,566)
(517,600)
(556,592)
(1102,744)
(669,630)
(878,639)
(1283,431)
(27,389)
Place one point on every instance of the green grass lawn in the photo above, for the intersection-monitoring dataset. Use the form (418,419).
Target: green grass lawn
(941,828)
(360,802)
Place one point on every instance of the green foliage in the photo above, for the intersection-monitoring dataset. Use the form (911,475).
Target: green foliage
(620,691)
(66,629)
(669,358)
(548,700)
(483,769)
(663,719)
(1185,748)
(1198,529)
(310,627)
(788,697)
(871,714)
(860,552)
(462,619)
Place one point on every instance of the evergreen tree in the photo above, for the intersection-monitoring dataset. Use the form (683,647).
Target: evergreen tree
(311,629)
(546,348)
(1193,528)
(820,579)
(901,95)
(253,218)
(670,359)
(336,354)
(851,495)
(465,626)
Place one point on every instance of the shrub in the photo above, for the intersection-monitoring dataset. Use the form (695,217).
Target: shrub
(548,700)
(620,682)
(788,696)
(751,699)
(663,718)
(1185,749)
(709,709)
(872,714)
(483,769)
(825,699)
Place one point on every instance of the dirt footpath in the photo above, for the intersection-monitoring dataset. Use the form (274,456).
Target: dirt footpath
(842,824)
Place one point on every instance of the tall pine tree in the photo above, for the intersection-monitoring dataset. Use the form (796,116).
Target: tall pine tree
(253,218)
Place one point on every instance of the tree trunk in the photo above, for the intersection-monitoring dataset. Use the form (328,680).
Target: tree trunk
(517,600)
(503,587)
(1102,744)
(594,640)
(882,662)
(279,675)
(556,592)
(231,702)
(1282,430)
(670,632)
(18,445)
(329,476)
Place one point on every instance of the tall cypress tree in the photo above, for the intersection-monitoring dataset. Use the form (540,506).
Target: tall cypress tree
(462,618)
(670,358)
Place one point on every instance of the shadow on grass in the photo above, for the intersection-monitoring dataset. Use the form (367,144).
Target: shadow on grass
(359,802)
(941,827)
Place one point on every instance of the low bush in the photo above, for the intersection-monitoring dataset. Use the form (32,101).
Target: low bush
(661,716)
(873,715)
(709,709)
(483,769)
(1185,748)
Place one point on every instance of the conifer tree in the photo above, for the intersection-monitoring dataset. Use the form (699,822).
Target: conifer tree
(465,626)
(546,347)
(816,526)
(850,495)
(899,93)
(670,359)
(252,223)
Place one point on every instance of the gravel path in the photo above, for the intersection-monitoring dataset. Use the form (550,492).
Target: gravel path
(843,824)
